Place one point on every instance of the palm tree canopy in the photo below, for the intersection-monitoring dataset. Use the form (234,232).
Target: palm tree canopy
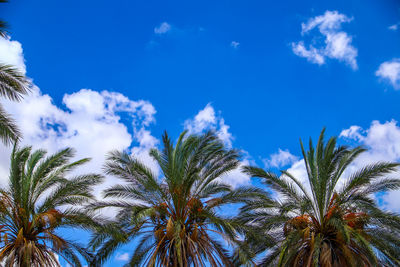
(173,219)
(326,223)
(39,200)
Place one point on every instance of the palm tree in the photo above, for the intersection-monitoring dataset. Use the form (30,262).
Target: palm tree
(38,201)
(13,85)
(325,224)
(173,219)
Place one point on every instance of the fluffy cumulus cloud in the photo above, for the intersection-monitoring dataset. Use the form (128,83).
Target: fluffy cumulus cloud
(336,44)
(207,119)
(162,28)
(390,72)
(353,132)
(381,139)
(383,143)
(280,159)
(11,53)
(93,123)
(88,121)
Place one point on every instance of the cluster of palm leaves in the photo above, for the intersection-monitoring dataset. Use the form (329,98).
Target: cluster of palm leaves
(331,218)
(38,200)
(177,215)
(176,218)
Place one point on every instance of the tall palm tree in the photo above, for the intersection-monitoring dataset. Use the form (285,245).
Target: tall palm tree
(320,222)
(173,219)
(38,201)
(13,85)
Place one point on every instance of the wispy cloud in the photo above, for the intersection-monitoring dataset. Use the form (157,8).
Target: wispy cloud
(235,44)
(394,27)
(337,43)
(162,28)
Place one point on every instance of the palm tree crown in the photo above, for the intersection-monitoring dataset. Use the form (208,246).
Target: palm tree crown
(173,219)
(326,224)
(37,202)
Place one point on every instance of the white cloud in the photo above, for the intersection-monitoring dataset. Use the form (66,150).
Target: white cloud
(312,54)
(122,257)
(236,177)
(235,44)
(381,139)
(298,170)
(383,143)
(354,132)
(162,28)
(390,71)
(11,53)
(146,142)
(337,44)
(206,119)
(280,159)
(330,21)
(90,123)
(203,119)
(394,27)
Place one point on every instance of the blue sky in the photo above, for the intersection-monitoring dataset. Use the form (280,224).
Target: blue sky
(261,79)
